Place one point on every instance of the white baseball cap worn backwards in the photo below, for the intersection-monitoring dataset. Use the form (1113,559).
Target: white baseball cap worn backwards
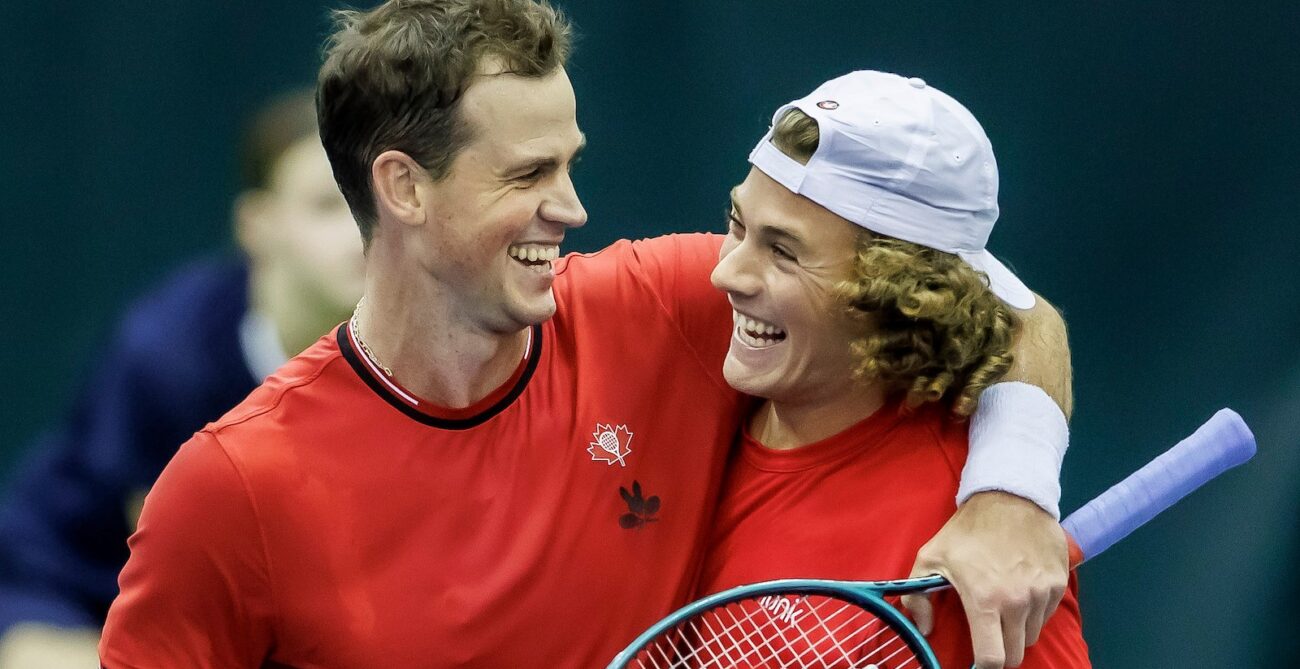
(900,158)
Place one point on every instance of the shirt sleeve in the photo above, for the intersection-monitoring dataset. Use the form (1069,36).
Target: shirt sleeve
(196,591)
(670,275)
(677,269)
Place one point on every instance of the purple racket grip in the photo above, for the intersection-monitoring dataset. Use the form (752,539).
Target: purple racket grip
(1222,443)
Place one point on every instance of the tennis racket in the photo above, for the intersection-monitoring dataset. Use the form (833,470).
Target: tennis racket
(821,623)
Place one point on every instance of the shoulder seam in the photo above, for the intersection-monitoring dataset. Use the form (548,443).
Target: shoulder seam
(276,399)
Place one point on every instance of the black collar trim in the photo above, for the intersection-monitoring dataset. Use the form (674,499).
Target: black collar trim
(354,359)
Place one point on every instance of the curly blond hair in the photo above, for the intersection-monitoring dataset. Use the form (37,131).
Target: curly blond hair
(930,325)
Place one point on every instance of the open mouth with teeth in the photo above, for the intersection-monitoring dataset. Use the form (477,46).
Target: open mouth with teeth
(536,257)
(755,333)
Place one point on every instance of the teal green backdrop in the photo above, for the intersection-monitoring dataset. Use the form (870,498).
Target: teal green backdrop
(1150,188)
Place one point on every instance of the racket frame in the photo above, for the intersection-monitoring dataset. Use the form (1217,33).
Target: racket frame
(868,595)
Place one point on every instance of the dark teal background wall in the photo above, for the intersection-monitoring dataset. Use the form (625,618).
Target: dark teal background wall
(1150,158)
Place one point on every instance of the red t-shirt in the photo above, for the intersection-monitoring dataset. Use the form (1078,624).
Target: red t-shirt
(858,506)
(335,520)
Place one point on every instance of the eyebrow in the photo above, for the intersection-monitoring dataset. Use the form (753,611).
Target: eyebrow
(547,162)
(770,230)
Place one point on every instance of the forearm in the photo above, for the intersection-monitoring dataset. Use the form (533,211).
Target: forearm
(1019,432)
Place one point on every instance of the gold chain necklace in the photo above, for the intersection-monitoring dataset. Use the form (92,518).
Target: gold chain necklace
(356,332)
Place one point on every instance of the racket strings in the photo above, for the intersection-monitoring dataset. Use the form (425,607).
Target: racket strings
(797,631)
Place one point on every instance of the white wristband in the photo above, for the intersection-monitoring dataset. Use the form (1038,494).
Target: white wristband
(1018,438)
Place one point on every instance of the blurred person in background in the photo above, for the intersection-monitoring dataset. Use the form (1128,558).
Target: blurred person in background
(182,355)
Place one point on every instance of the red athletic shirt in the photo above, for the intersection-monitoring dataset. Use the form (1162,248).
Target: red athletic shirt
(334,520)
(858,506)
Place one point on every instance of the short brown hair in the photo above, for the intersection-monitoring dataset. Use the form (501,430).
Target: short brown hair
(931,326)
(282,122)
(394,76)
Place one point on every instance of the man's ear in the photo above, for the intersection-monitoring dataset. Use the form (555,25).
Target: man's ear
(253,221)
(396,176)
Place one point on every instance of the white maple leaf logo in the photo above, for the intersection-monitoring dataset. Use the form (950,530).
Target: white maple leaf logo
(611,444)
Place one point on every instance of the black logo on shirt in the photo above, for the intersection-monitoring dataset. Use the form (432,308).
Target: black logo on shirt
(641,510)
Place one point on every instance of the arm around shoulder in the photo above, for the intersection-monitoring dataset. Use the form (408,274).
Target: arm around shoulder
(1019,433)
(196,589)
(1005,553)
